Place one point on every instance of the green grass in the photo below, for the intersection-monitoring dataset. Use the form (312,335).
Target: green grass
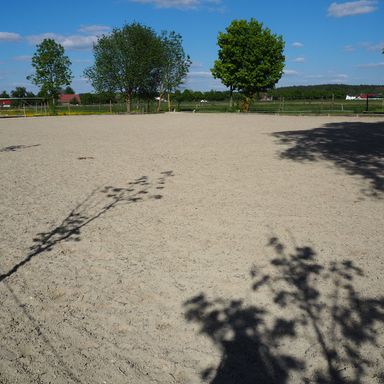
(337,107)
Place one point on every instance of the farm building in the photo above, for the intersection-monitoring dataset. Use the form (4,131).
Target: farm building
(5,103)
(67,98)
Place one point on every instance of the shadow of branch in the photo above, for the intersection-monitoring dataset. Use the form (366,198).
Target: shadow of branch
(310,298)
(14,148)
(355,147)
(95,205)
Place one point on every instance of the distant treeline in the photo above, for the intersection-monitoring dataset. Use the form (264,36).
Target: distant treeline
(177,97)
(314,92)
(301,92)
(325,91)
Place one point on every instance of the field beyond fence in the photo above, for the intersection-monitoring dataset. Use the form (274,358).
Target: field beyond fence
(318,107)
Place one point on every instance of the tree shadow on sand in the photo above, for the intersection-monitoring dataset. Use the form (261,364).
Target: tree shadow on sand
(310,299)
(355,147)
(14,148)
(95,205)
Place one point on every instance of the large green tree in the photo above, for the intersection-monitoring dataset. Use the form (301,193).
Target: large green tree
(251,58)
(52,69)
(126,61)
(174,67)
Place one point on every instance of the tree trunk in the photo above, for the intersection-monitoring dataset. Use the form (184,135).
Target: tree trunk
(129,102)
(230,97)
(245,104)
(159,102)
(169,102)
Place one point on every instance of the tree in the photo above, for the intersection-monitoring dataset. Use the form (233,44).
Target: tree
(52,69)
(126,61)
(69,91)
(19,92)
(250,59)
(4,95)
(175,65)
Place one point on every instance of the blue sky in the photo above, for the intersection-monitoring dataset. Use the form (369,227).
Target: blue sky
(326,41)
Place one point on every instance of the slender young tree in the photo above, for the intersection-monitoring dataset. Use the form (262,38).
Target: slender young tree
(175,65)
(126,61)
(251,58)
(52,69)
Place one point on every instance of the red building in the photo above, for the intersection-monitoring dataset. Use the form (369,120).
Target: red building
(67,98)
(5,103)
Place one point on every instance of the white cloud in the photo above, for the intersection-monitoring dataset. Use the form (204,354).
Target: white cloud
(200,74)
(299,60)
(349,48)
(297,44)
(9,36)
(318,76)
(290,72)
(179,4)
(94,29)
(372,47)
(202,80)
(69,42)
(196,64)
(372,65)
(22,58)
(352,8)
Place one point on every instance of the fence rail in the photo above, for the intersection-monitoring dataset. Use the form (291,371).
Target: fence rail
(337,107)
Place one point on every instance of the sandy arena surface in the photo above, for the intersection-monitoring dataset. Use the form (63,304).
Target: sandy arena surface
(192,248)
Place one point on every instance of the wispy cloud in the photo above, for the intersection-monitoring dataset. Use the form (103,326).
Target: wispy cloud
(200,74)
(297,44)
(196,64)
(372,65)
(94,29)
(179,4)
(349,48)
(9,36)
(22,58)
(290,72)
(373,47)
(299,59)
(317,76)
(202,80)
(352,8)
(69,42)
(368,46)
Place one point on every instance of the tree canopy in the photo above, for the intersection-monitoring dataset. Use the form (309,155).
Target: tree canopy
(174,66)
(250,59)
(52,69)
(134,60)
(126,61)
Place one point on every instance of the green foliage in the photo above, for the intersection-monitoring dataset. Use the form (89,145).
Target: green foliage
(69,91)
(324,91)
(126,61)
(250,59)
(19,92)
(175,63)
(4,94)
(97,98)
(52,69)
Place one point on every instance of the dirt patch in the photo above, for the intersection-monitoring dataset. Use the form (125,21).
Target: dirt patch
(191,248)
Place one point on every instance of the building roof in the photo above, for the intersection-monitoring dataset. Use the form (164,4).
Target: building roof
(67,97)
